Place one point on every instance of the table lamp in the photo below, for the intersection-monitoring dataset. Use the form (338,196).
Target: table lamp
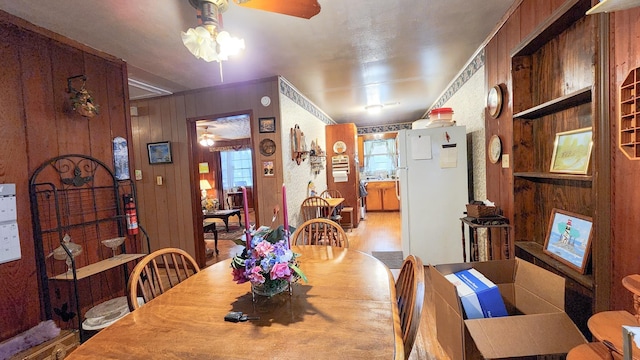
(204,186)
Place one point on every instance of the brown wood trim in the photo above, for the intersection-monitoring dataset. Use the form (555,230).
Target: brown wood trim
(601,255)
(567,13)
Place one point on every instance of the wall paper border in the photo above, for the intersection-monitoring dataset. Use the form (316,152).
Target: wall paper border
(288,90)
(383,128)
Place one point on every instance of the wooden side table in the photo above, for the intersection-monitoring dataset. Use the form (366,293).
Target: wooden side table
(487,223)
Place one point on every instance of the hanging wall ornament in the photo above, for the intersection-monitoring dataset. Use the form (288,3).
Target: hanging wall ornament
(81,100)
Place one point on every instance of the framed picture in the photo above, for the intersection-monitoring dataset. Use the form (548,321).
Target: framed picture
(267,168)
(267,125)
(159,152)
(572,151)
(569,239)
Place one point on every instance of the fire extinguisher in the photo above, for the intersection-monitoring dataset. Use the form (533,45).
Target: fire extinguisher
(130,214)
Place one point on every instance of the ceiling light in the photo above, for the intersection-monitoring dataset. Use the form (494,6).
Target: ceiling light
(208,41)
(206,139)
(374,109)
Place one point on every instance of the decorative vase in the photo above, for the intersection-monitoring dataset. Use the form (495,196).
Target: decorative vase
(276,287)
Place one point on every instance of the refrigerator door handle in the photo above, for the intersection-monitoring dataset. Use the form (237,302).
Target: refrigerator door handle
(398,181)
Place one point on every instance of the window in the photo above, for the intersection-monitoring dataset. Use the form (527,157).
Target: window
(380,157)
(237,168)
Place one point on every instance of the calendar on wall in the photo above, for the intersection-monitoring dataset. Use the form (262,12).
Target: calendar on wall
(9,238)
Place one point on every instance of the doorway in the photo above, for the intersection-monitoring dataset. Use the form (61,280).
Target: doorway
(222,163)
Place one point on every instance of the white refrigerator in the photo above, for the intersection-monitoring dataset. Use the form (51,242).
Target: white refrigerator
(432,173)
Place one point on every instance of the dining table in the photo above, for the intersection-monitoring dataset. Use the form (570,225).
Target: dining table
(334,203)
(346,310)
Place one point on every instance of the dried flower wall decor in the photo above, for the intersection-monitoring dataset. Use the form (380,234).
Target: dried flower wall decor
(81,100)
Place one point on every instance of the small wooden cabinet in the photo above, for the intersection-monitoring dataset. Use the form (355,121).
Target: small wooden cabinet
(382,196)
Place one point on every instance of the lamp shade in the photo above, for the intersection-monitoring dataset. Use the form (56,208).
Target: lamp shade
(204,185)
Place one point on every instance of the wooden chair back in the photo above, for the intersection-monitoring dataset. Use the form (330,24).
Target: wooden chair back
(158,272)
(314,207)
(331,193)
(410,296)
(320,232)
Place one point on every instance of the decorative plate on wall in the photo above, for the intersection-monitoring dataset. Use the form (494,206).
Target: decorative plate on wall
(339,147)
(267,147)
(494,101)
(494,149)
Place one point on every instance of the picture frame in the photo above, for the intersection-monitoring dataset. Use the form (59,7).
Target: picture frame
(569,239)
(159,152)
(268,169)
(572,151)
(267,125)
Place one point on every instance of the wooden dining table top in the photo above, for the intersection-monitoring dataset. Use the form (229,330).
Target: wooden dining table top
(347,310)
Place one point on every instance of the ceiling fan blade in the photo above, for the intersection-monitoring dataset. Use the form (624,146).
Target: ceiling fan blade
(299,8)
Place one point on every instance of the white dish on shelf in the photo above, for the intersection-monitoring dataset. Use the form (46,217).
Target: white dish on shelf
(106,313)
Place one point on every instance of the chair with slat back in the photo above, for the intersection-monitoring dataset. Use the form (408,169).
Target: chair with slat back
(331,193)
(320,232)
(158,272)
(314,207)
(410,297)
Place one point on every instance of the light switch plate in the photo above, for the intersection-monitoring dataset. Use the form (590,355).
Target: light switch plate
(138,174)
(505,161)
(159,180)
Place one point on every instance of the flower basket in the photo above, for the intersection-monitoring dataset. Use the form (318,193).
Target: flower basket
(269,290)
(268,262)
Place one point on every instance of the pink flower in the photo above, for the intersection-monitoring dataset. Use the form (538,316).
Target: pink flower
(280,271)
(264,248)
(238,276)
(255,276)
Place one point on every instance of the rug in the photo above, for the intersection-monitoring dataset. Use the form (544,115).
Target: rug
(235,232)
(393,259)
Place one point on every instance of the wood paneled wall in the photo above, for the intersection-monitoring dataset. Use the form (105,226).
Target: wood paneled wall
(166,210)
(36,125)
(624,55)
(625,193)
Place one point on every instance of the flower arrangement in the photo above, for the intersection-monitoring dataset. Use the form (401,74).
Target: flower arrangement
(268,262)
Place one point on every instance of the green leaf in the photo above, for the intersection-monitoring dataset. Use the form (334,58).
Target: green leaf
(299,272)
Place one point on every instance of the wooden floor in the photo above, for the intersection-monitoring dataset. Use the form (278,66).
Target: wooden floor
(380,231)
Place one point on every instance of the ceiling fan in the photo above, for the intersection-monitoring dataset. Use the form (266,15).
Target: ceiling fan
(299,8)
(209,42)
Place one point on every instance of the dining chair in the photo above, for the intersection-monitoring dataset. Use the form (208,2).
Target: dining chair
(320,232)
(314,207)
(410,297)
(337,212)
(331,193)
(158,272)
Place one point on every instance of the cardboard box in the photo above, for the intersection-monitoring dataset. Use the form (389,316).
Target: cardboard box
(479,296)
(534,298)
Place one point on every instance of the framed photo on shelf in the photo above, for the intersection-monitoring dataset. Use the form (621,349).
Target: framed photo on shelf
(159,152)
(569,239)
(572,151)
(267,125)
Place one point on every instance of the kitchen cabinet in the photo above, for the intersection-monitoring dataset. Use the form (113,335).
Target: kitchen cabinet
(382,196)
(345,157)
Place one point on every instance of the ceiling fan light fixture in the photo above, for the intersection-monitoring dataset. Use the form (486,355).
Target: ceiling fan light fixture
(206,139)
(207,41)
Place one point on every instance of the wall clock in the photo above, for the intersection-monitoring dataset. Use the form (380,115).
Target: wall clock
(267,147)
(494,101)
(494,150)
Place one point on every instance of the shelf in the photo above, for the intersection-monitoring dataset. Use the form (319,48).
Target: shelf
(553,176)
(570,12)
(535,250)
(99,267)
(579,97)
